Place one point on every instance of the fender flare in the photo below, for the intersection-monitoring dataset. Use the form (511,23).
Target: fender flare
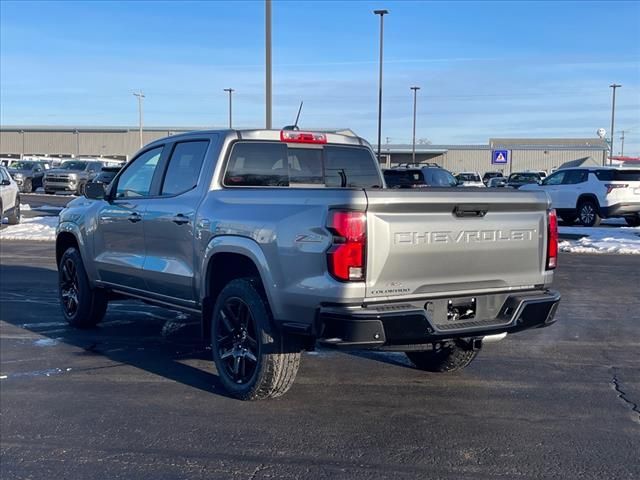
(250,249)
(75,230)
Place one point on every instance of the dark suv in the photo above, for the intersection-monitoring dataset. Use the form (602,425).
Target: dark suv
(28,174)
(419,177)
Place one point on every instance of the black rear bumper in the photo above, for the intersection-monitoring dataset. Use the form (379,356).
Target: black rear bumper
(398,326)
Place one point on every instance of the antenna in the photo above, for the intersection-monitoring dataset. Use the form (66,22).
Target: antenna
(298,116)
(295,125)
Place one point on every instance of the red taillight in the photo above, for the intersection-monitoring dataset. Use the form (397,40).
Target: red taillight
(552,241)
(346,255)
(294,136)
(612,186)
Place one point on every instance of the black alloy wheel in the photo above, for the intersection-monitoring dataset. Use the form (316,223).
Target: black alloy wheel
(69,290)
(238,349)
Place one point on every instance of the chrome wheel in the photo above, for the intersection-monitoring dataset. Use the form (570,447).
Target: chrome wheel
(587,214)
(69,287)
(236,342)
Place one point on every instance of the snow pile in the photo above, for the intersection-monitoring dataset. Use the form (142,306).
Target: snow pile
(623,240)
(36,228)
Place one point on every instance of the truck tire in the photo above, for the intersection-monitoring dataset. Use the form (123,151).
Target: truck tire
(82,306)
(27,186)
(588,213)
(633,221)
(445,357)
(14,217)
(254,360)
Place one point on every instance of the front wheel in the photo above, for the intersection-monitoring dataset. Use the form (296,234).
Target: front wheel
(588,213)
(27,187)
(444,357)
(254,360)
(14,217)
(82,306)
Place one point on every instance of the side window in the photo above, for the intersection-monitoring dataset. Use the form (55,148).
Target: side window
(135,181)
(257,164)
(305,167)
(604,175)
(3,175)
(184,167)
(573,177)
(555,179)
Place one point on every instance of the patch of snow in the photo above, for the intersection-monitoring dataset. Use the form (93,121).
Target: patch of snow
(25,207)
(45,342)
(623,240)
(36,228)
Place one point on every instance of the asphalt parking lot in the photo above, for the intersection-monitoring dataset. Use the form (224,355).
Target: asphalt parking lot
(138,397)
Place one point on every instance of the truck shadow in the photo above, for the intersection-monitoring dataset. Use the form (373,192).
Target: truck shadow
(159,341)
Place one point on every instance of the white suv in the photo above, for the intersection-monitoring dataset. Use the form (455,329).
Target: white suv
(593,193)
(9,198)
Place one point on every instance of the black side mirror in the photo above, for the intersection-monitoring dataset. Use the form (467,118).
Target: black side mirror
(5,182)
(95,191)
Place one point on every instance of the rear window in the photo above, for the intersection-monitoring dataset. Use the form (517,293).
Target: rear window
(270,164)
(468,177)
(618,175)
(439,177)
(403,178)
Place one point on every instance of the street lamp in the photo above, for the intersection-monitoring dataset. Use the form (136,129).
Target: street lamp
(413,148)
(230,90)
(382,13)
(140,96)
(268,92)
(613,116)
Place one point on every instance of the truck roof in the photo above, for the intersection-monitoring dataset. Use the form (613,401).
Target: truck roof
(344,137)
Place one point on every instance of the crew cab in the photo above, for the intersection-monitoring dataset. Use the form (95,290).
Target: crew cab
(72,176)
(279,240)
(28,174)
(589,194)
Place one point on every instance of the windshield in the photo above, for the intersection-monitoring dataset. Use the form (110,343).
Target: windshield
(524,177)
(22,165)
(74,165)
(468,177)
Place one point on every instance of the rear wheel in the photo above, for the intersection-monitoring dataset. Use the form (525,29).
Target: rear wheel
(82,306)
(588,213)
(633,221)
(254,360)
(444,357)
(14,217)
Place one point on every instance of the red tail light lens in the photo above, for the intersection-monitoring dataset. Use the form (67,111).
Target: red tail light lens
(552,241)
(612,186)
(294,136)
(347,254)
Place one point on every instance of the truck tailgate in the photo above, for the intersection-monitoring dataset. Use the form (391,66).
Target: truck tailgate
(458,241)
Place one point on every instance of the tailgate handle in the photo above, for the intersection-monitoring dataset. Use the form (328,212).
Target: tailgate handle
(470,210)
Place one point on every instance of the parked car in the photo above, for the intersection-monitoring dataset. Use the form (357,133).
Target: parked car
(469,179)
(518,179)
(496,182)
(419,177)
(9,198)
(28,174)
(279,240)
(106,175)
(590,194)
(489,175)
(71,176)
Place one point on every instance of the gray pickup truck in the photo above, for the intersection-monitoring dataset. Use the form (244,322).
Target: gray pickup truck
(71,176)
(280,240)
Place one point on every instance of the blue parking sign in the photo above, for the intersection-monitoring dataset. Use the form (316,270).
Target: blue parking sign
(500,157)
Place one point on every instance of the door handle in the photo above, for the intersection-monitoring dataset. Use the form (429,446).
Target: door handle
(134,217)
(470,210)
(180,219)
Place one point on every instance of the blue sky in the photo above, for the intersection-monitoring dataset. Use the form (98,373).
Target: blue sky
(487,69)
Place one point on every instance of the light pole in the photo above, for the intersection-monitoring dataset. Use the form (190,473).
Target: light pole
(230,90)
(622,148)
(415,99)
(140,96)
(613,116)
(267,42)
(382,13)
